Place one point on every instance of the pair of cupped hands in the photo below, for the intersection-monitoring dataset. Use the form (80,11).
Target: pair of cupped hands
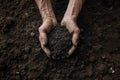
(47,26)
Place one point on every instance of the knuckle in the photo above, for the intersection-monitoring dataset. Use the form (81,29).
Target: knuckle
(43,40)
(75,45)
(77,30)
(40,29)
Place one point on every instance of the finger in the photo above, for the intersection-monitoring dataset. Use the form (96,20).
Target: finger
(43,41)
(43,37)
(71,50)
(47,51)
(75,40)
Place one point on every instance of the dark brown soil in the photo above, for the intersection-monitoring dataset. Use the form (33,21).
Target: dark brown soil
(59,35)
(96,58)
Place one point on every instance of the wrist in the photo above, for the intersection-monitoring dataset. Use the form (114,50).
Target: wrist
(70,17)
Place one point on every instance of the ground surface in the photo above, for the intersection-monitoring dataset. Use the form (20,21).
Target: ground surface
(97,56)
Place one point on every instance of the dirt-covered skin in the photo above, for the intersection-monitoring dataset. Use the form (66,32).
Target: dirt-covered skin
(96,58)
(59,42)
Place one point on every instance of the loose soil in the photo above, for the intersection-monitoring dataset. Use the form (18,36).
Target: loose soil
(96,58)
(59,42)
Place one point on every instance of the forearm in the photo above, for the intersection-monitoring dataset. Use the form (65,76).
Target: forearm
(45,9)
(73,9)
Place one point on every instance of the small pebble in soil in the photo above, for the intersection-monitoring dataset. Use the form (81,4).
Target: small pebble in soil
(25,15)
(17,73)
(111,70)
(59,42)
(32,34)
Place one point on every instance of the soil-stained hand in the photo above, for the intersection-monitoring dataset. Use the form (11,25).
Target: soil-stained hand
(45,28)
(72,27)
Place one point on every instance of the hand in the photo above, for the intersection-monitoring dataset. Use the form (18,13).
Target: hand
(72,27)
(45,28)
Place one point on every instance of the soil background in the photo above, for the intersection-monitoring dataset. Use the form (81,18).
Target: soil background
(96,58)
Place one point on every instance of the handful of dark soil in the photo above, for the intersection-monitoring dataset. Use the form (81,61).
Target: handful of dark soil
(59,42)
